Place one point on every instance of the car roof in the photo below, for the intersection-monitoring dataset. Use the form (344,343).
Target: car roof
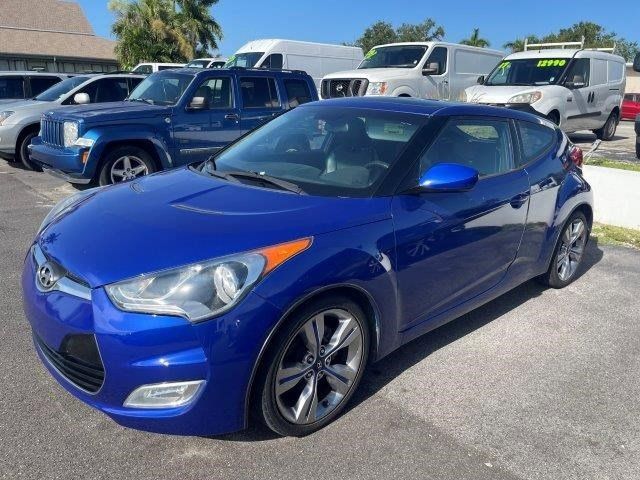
(237,70)
(10,73)
(418,106)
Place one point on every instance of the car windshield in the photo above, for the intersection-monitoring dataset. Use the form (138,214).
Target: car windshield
(11,87)
(59,90)
(246,60)
(163,88)
(528,71)
(343,152)
(399,56)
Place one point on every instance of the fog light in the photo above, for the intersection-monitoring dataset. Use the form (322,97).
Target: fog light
(164,395)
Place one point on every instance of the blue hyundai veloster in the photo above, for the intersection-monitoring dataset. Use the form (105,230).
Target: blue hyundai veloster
(264,280)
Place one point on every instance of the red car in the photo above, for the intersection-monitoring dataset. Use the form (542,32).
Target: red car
(630,106)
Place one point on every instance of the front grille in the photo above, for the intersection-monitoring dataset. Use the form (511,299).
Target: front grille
(337,88)
(78,360)
(52,132)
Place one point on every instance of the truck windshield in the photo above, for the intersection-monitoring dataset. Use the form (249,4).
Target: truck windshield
(163,88)
(528,71)
(246,60)
(61,89)
(400,56)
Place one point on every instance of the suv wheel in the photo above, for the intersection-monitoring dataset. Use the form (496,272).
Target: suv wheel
(23,152)
(125,163)
(608,130)
(314,366)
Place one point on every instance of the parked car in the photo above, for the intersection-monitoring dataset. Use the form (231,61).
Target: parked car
(20,121)
(317,59)
(16,86)
(577,89)
(265,279)
(217,62)
(630,106)
(153,67)
(431,70)
(173,118)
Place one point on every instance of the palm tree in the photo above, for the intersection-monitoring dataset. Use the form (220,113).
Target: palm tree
(517,45)
(198,25)
(475,41)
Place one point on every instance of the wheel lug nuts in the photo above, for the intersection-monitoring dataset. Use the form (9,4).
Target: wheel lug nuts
(309,375)
(309,359)
(321,350)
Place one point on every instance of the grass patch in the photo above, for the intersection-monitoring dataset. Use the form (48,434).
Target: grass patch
(611,235)
(607,162)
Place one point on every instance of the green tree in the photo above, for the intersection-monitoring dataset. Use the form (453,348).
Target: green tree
(475,40)
(383,32)
(200,28)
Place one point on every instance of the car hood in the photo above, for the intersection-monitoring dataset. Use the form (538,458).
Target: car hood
(105,112)
(180,217)
(373,74)
(501,94)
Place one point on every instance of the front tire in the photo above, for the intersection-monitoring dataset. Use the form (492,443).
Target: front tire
(313,367)
(608,130)
(23,152)
(569,252)
(125,163)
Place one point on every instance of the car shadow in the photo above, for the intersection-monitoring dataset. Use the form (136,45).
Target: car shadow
(379,374)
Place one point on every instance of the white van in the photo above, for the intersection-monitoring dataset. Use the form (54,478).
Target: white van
(576,89)
(435,70)
(217,62)
(150,67)
(317,59)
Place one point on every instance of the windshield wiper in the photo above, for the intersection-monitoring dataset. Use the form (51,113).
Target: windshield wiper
(263,178)
(140,99)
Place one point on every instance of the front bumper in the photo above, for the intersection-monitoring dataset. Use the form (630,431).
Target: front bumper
(521,107)
(65,163)
(137,349)
(8,140)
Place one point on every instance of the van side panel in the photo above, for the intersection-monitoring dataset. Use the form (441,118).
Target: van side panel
(468,65)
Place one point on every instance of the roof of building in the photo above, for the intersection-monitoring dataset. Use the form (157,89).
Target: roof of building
(51,28)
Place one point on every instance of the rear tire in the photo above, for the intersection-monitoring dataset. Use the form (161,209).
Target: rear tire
(125,163)
(569,252)
(23,152)
(304,382)
(608,130)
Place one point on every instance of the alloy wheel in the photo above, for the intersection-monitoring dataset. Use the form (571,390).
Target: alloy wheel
(319,366)
(571,249)
(127,168)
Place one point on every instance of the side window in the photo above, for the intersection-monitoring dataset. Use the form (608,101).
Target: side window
(12,87)
(40,84)
(110,90)
(259,92)
(439,56)
(536,140)
(216,92)
(579,72)
(297,92)
(273,61)
(482,143)
(133,83)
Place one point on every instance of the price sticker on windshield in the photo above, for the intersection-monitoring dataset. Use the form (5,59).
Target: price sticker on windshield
(370,54)
(551,62)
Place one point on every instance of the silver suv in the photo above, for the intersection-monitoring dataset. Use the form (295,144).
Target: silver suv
(20,120)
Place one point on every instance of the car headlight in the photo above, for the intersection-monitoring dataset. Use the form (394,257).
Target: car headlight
(4,115)
(530,97)
(377,88)
(203,289)
(84,142)
(70,133)
(66,204)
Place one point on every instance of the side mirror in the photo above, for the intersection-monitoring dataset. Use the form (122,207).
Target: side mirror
(636,62)
(448,177)
(198,103)
(81,99)
(574,85)
(432,68)
(480,80)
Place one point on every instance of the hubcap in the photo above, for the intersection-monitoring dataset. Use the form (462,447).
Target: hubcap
(306,391)
(127,168)
(571,249)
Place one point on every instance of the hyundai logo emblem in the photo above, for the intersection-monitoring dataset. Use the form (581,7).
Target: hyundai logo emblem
(47,276)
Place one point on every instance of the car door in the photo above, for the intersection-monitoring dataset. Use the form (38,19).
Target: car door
(452,246)
(578,106)
(260,101)
(436,85)
(200,130)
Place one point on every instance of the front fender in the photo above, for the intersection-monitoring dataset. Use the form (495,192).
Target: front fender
(105,136)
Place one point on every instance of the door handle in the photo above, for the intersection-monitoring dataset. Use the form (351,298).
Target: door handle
(232,116)
(519,200)
(569,99)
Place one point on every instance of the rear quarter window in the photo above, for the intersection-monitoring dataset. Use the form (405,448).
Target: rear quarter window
(297,92)
(536,141)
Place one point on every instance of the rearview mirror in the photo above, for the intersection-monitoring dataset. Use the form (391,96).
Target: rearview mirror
(480,80)
(81,99)
(448,177)
(636,62)
(432,68)
(198,103)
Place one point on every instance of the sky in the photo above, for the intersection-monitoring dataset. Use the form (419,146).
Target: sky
(334,21)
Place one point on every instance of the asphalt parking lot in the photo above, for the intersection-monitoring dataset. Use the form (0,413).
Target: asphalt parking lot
(539,384)
(622,147)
